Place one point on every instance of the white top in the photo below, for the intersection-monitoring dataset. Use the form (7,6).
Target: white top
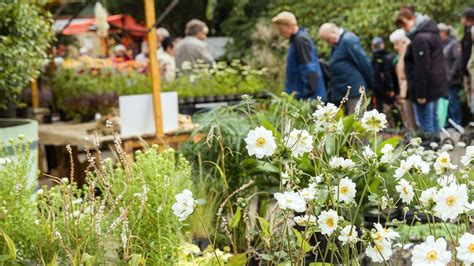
(167,65)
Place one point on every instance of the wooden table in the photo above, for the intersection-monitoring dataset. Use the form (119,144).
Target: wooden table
(80,135)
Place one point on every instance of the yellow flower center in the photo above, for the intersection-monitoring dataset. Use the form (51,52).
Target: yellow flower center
(451,200)
(471,248)
(444,160)
(330,222)
(378,236)
(379,247)
(260,142)
(432,255)
(405,190)
(344,190)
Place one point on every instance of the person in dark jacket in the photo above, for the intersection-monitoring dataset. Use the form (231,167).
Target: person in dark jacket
(467,20)
(452,59)
(424,67)
(304,77)
(349,66)
(383,78)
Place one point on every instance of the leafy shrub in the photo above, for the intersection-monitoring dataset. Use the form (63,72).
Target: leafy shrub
(25,33)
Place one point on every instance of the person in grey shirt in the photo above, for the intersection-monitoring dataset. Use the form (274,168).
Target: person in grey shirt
(193,47)
(452,60)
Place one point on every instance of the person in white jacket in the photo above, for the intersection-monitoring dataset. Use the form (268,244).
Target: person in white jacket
(193,47)
(166,58)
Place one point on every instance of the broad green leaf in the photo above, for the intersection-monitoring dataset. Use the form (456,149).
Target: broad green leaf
(266,257)
(237,260)
(10,245)
(393,141)
(330,145)
(301,242)
(200,201)
(270,127)
(236,218)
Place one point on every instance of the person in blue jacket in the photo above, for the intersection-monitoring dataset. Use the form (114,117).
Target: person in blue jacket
(304,77)
(349,66)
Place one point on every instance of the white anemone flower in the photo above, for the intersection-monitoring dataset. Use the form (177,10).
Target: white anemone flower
(348,235)
(383,234)
(300,142)
(443,163)
(451,201)
(374,121)
(387,153)
(468,157)
(346,190)
(379,251)
(184,205)
(446,180)
(308,193)
(327,222)
(428,196)
(339,162)
(368,152)
(325,116)
(290,200)
(413,163)
(260,142)
(431,252)
(466,249)
(305,220)
(405,190)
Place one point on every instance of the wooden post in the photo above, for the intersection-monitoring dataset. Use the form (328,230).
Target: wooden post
(154,71)
(34,94)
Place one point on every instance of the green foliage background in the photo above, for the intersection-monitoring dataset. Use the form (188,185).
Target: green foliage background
(366,18)
(25,34)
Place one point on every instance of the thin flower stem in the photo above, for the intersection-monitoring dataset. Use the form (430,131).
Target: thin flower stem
(208,237)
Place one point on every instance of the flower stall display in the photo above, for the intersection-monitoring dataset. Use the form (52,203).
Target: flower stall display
(86,86)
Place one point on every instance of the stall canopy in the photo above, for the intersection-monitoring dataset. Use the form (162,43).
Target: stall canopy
(81,25)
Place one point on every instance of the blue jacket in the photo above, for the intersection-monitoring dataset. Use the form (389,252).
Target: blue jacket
(303,72)
(349,66)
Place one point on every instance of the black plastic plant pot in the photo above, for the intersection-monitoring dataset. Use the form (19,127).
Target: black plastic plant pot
(230,97)
(210,98)
(371,218)
(220,98)
(423,217)
(181,100)
(190,99)
(200,99)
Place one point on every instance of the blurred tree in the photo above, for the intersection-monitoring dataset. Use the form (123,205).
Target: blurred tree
(25,34)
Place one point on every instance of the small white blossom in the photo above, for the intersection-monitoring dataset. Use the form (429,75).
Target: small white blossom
(374,121)
(446,180)
(260,142)
(346,190)
(428,196)
(379,251)
(305,220)
(290,200)
(348,235)
(300,142)
(405,190)
(468,157)
(431,252)
(413,163)
(451,201)
(466,249)
(327,222)
(368,152)
(443,163)
(308,193)
(184,205)
(339,162)
(383,234)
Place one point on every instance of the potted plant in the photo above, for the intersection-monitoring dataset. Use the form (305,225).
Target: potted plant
(25,34)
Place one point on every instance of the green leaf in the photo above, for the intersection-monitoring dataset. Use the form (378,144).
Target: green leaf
(237,260)
(301,242)
(10,245)
(54,260)
(330,145)
(281,254)
(236,218)
(266,257)
(265,227)
(270,127)
(393,141)
(136,260)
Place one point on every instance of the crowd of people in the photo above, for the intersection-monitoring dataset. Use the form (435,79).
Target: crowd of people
(171,53)
(409,86)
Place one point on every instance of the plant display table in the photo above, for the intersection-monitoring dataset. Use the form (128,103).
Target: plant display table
(78,135)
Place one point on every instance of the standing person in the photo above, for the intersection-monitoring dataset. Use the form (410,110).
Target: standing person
(383,80)
(167,60)
(452,57)
(467,20)
(348,65)
(303,72)
(400,42)
(193,47)
(424,68)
